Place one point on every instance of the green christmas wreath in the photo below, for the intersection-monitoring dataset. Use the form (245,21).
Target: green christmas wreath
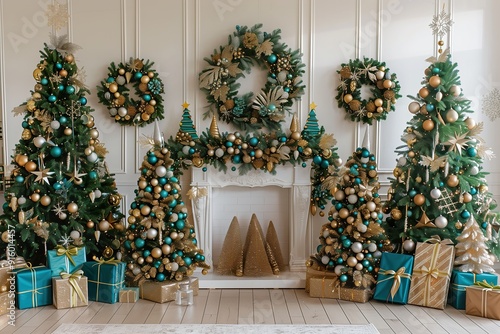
(113,93)
(384,88)
(245,48)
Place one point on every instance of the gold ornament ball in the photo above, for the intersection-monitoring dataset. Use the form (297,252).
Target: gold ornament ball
(397,172)
(428,125)
(419,199)
(5,236)
(411,154)
(145,117)
(347,98)
(149,259)
(30,166)
(204,272)
(72,207)
(458,225)
(308,151)
(90,224)
(452,180)
(121,71)
(434,81)
(69,58)
(22,160)
(151,74)
(423,92)
(166,249)
(119,227)
(378,102)
(113,88)
(68,131)
(140,260)
(45,200)
(156,252)
(387,84)
(145,210)
(136,213)
(143,184)
(334,224)
(63,73)
(343,213)
(114,199)
(154,182)
(35,197)
(145,79)
(104,225)
(174,235)
(396,214)
(467,197)
(258,153)
(483,188)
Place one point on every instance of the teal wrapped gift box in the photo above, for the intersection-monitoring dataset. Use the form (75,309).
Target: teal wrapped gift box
(65,259)
(105,279)
(394,276)
(460,280)
(33,287)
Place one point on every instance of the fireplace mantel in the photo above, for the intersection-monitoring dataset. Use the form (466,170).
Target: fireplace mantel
(296,179)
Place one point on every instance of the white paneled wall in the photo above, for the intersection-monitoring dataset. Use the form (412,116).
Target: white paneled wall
(178,34)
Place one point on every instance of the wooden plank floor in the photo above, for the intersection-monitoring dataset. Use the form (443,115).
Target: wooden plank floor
(261,306)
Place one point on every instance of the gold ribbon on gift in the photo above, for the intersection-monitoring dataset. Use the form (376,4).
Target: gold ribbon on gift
(461,287)
(110,261)
(432,272)
(69,252)
(484,295)
(436,239)
(76,292)
(396,276)
(36,290)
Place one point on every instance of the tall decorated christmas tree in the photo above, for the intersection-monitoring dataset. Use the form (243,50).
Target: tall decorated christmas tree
(352,240)
(62,191)
(161,242)
(439,182)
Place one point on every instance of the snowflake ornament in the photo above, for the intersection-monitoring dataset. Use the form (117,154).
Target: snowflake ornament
(65,240)
(57,15)
(491,104)
(441,24)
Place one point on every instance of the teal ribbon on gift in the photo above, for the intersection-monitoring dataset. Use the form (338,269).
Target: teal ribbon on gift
(34,283)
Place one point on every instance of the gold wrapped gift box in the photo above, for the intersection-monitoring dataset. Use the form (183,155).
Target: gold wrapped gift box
(70,294)
(313,273)
(162,292)
(6,301)
(324,288)
(431,274)
(482,302)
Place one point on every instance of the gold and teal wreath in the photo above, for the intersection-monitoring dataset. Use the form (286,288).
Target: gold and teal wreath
(384,89)
(114,93)
(261,151)
(247,47)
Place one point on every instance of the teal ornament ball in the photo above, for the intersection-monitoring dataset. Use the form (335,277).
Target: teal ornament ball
(471,151)
(253,141)
(83,101)
(317,159)
(55,151)
(324,164)
(152,159)
(63,120)
(272,58)
(139,243)
(137,75)
(110,80)
(19,179)
(160,277)
(146,97)
(343,278)
(180,224)
(70,89)
(52,98)
(44,81)
(59,66)
(93,175)
(187,260)
(465,214)
(146,253)
(127,244)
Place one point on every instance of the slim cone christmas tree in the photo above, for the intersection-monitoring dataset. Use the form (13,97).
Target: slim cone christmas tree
(62,191)
(439,180)
(161,242)
(352,241)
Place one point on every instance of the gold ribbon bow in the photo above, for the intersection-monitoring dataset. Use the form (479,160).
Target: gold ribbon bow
(436,239)
(110,261)
(397,276)
(487,285)
(69,252)
(76,292)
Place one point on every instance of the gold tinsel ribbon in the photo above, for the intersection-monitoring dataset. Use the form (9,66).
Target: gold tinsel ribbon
(76,292)
(396,276)
(484,295)
(431,272)
(35,291)
(69,252)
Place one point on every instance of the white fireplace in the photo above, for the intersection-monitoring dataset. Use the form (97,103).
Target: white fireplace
(287,205)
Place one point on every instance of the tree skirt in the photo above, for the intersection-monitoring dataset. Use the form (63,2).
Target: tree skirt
(215,329)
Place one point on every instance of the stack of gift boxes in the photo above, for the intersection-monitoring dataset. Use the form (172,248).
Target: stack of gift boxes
(426,279)
(70,281)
